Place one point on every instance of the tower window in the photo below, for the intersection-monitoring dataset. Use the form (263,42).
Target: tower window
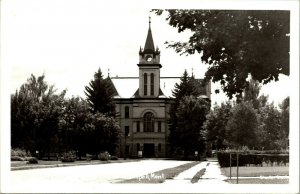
(149,122)
(138,147)
(152,84)
(126,131)
(126,112)
(145,84)
(138,126)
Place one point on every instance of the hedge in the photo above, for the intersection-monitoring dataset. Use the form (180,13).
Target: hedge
(251,159)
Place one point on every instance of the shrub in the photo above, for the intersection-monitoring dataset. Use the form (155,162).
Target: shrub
(68,156)
(104,156)
(91,157)
(32,160)
(253,158)
(16,158)
(114,158)
(19,152)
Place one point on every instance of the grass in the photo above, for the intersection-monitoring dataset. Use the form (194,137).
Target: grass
(257,171)
(259,181)
(162,175)
(198,175)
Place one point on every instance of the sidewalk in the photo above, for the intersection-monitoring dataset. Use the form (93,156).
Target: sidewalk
(212,174)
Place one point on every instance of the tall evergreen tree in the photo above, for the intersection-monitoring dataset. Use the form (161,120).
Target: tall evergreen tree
(100,94)
(186,87)
(191,134)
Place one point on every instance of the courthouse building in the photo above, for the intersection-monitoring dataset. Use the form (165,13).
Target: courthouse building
(143,103)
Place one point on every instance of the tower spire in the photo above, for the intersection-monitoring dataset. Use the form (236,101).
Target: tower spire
(149,45)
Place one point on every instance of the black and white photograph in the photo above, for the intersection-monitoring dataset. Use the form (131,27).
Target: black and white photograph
(149,96)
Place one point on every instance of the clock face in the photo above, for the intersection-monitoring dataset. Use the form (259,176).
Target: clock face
(149,58)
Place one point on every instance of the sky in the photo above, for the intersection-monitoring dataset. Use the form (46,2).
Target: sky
(69,40)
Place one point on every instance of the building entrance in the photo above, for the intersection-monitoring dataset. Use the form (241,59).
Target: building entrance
(149,150)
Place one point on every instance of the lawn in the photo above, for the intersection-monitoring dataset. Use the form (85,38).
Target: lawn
(257,171)
(162,175)
(259,181)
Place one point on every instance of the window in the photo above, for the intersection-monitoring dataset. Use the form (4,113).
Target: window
(138,147)
(152,83)
(138,126)
(127,150)
(149,122)
(126,131)
(145,84)
(159,147)
(126,112)
(159,126)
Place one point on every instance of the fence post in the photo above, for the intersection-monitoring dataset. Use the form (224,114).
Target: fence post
(230,165)
(237,167)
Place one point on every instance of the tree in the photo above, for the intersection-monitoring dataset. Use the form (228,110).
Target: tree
(235,43)
(216,124)
(242,126)
(100,94)
(191,115)
(73,123)
(35,116)
(100,133)
(270,126)
(283,141)
(186,87)
(251,95)
(87,132)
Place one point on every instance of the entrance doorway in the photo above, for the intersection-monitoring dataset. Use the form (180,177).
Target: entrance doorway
(149,150)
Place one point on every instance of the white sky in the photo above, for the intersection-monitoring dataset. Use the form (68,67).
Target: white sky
(70,40)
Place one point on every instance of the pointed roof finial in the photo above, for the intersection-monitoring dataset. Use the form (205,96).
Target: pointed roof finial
(192,72)
(149,45)
(108,72)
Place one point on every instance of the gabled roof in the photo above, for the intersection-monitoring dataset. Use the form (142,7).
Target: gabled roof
(127,87)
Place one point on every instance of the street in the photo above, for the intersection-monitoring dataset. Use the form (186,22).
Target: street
(105,178)
(83,178)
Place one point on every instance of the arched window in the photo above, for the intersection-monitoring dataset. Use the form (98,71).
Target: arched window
(152,84)
(149,122)
(145,84)
(126,112)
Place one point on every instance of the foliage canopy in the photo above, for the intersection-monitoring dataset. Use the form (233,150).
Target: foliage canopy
(235,43)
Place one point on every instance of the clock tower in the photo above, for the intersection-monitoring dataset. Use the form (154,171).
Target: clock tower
(149,68)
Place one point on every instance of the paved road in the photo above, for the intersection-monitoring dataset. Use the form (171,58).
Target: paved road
(98,179)
(89,178)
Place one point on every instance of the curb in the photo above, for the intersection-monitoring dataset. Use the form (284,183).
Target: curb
(60,165)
